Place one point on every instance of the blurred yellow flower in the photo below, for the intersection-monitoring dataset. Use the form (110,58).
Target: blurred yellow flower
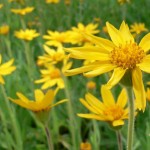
(56,38)
(67,2)
(77,34)
(22,11)
(27,34)
(122,54)
(85,146)
(42,102)
(105,29)
(4,29)
(109,111)
(1,5)
(6,69)
(90,85)
(52,56)
(138,28)
(123,1)
(51,76)
(52,1)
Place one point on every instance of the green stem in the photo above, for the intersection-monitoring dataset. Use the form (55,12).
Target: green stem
(30,64)
(13,120)
(49,139)
(119,140)
(72,123)
(8,46)
(131,119)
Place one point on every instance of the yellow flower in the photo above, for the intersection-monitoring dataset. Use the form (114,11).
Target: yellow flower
(4,29)
(138,28)
(27,34)
(122,54)
(56,38)
(1,5)
(67,2)
(85,146)
(43,102)
(123,1)
(52,56)
(77,34)
(148,94)
(6,69)
(22,11)
(51,76)
(91,85)
(109,111)
(52,1)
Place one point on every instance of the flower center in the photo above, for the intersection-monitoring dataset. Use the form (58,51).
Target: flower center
(58,56)
(116,112)
(55,74)
(127,56)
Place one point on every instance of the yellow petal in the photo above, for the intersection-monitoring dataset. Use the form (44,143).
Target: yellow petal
(116,77)
(138,88)
(22,97)
(1,80)
(100,70)
(107,96)
(92,103)
(115,34)
(88,106)
(145,42)
(39,95)
(118,123)
(91,116)
(79,70)
(104,43)
(122,99)
(61,101)
(125,32)
(145,64)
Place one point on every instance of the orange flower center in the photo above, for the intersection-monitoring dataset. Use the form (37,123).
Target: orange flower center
(116,112)
(55,74)
(127,56)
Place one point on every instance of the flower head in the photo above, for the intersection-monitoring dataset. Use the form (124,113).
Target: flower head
(4,29)
(77,32)
(122,54)
(52,1)
(6,69)
(52,56)
(43,102)
(109,111)
(123,1)
(56,38)
(27,34)
(51,76)
(22,11)
(1,5)
(91,85)
(85,146)
(138,28)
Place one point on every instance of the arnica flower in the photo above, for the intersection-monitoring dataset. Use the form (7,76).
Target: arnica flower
(6,69)
(1,5)
(122,54)
(52,56)
(51,76)
(4,29)
(91,85)
(56,38)
(123,1)
(27,34)
(43,102)
(67,2)
(23,11)
(138,28)
(85,146)
(77,34)
(109,111)
(52,1)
